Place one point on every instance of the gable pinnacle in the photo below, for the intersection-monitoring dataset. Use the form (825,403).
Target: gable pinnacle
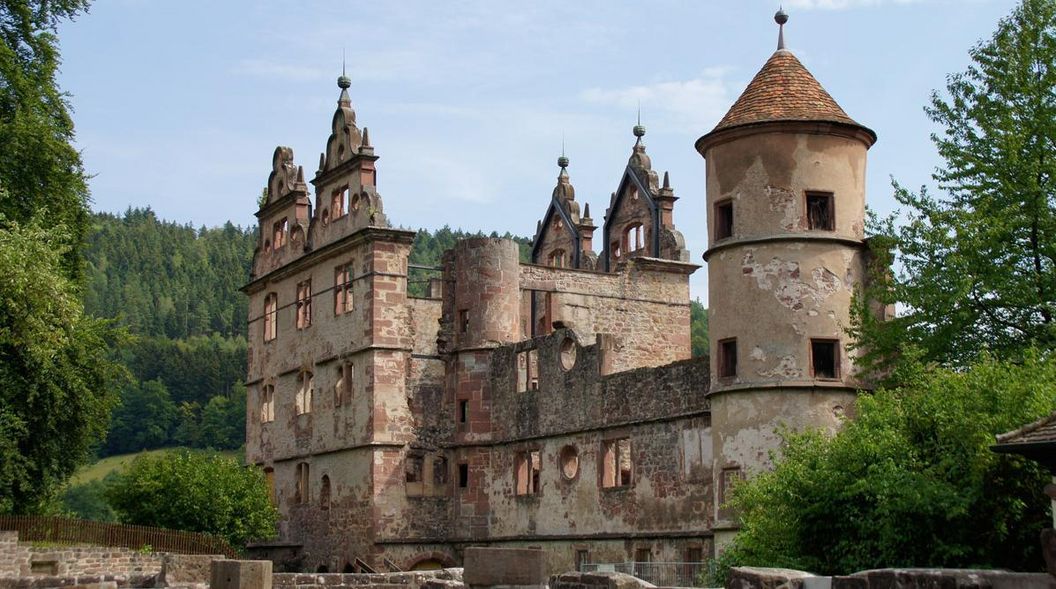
(781,18)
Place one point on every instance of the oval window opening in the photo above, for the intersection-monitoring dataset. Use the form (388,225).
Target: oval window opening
(569,462)
(568,354)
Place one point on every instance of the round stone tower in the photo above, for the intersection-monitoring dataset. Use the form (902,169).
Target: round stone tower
(786,207)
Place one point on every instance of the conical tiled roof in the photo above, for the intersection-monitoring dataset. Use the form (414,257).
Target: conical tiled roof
(783,91)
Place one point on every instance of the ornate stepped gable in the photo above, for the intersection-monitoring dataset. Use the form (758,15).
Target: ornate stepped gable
(563,237)
(639,220)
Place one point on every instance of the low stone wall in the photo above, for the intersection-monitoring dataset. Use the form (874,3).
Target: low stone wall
(49,582)
(407,580)
(764,578)
(597,581)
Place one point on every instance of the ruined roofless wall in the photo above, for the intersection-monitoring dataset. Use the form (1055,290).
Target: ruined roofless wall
(644,306)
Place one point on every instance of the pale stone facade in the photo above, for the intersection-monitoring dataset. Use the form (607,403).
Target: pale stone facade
(552,404)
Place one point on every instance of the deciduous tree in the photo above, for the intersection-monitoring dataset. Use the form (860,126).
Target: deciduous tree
(978,260)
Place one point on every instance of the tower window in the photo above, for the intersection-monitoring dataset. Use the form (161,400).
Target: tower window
(463,476)
(463,321)
(271,312)
(463,414)
(728,358)
(824,358)
(615,248)
(821,211)
(723,219)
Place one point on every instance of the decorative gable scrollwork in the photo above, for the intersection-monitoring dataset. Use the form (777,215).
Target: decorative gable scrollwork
(286,177)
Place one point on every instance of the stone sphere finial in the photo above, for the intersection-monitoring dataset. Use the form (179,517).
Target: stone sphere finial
(562,162)
(781,17)
(344,82)
(639,130)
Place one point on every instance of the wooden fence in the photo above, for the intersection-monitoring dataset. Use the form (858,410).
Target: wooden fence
(64,530)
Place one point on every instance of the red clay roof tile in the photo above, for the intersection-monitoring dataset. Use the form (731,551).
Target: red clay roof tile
(783,91)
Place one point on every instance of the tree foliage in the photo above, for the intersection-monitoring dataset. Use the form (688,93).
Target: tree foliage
(977,263)
(39,167)
(911,482)
(195,491)
(163,279)
(698,334)
(56,399)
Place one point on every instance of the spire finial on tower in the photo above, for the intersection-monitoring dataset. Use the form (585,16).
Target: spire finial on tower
(343,82)
(781,18)
(639,129)
(562,161)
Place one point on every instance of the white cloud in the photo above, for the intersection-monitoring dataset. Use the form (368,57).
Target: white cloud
(689,105)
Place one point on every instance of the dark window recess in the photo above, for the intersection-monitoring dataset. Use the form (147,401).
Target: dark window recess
(728,358)
(463,411)
(463,321)
(724,220)
(463,476)
(821,211)
(823,358)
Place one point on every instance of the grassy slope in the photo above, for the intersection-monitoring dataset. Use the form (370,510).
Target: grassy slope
(99,469)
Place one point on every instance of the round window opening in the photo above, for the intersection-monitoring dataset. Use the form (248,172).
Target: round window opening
(569,462)
(568,354)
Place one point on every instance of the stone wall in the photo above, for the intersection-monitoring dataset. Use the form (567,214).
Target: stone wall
(22,559)
(408,580)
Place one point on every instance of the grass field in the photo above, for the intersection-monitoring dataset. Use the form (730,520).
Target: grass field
(99,469)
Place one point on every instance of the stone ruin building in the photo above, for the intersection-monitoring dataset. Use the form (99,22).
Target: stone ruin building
(553,403)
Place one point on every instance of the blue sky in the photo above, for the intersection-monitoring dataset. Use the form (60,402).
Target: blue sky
(179,105)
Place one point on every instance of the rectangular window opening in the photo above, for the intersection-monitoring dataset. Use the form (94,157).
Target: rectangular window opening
(304,304)
(728,358)
(463,476)
(723,219)
(616,463)
(343,299)
(463,321)
(824,358)
(528,465)
(463,413)
(821,211)
(271,315)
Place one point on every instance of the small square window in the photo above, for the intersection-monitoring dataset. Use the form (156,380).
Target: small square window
(728,358)
(821,211)
(723,219)
(824,358)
